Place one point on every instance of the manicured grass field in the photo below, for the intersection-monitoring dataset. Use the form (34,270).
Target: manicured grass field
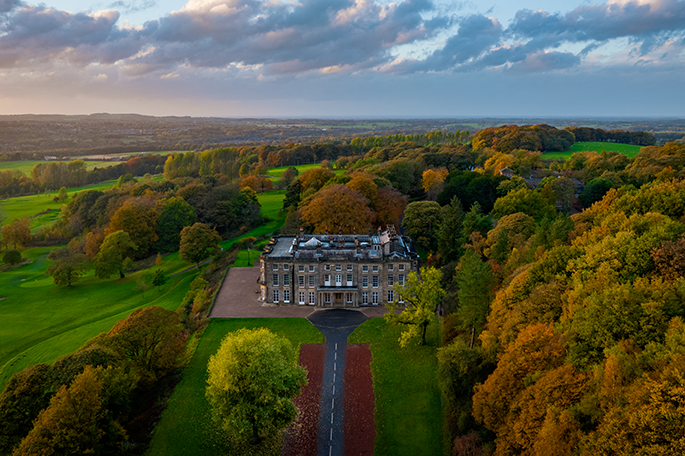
(272,203)
(405,382)
(186,426)
(41,321)
(627,149)
(31,205)
(301,168)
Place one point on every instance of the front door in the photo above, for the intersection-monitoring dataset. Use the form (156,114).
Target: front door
(338,299)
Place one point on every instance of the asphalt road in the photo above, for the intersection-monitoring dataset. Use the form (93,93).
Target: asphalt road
(336,325)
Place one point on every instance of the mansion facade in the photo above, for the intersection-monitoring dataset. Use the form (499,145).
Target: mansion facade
(340,270)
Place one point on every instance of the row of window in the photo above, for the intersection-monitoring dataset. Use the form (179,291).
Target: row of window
(338,267)
(327,297)
(338,280)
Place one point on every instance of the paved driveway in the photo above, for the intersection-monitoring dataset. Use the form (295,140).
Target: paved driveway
(239,298)
(336,325)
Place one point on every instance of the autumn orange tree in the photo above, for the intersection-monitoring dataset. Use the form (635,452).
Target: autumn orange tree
(337,206)
(149,339)
(75,422)
(17,233)
(433,181)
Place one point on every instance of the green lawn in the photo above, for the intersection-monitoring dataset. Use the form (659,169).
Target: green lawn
(405,382)
(627,149)
(41,321)
(31,205)
(43,204)
(186,426)
(272,203)
(301,168)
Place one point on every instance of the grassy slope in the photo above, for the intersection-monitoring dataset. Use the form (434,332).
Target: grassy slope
(186,425)
(405,382)
(41,321)
(62,319)
(626,149)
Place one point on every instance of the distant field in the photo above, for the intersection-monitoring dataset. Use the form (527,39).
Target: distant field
(628,149)
(41,321)
(301,168)
(186,426)
(26,166)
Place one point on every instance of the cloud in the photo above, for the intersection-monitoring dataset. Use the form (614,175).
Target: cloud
(8,5)
(322,38)
(132,7)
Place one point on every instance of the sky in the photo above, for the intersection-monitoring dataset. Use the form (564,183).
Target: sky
(344,58)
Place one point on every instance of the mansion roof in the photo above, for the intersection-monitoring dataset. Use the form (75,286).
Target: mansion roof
(322,247)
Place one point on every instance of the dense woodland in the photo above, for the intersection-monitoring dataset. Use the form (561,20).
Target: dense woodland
(563,317)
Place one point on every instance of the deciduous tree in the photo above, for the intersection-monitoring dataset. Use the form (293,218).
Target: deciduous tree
(74,423)
(17,233)
(25,395)
(421,221)
(68,264)
(337,206)
(526,201)
(138,217)
(114,250)
(433,181)
(198,242)
(11,257)
(176,215)
(419,300)
(252,380)
(151,339)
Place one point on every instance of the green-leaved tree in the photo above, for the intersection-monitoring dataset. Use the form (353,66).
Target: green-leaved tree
(420,298)
(198,242)
(116,248)
(252,380)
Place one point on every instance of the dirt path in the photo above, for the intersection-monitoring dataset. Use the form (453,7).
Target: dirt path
(301,437)
(359,426)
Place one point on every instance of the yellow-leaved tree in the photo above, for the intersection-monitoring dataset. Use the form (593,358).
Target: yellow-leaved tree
(252,380)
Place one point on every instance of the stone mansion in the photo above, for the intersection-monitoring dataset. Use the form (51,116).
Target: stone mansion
(341,270)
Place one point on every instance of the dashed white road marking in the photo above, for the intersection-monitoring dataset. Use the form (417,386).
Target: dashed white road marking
(336,345)
(331,417)
(333,389)
(334,366)
(331,434)
(333,377)
(332,403)
(336,356)
(330,449)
